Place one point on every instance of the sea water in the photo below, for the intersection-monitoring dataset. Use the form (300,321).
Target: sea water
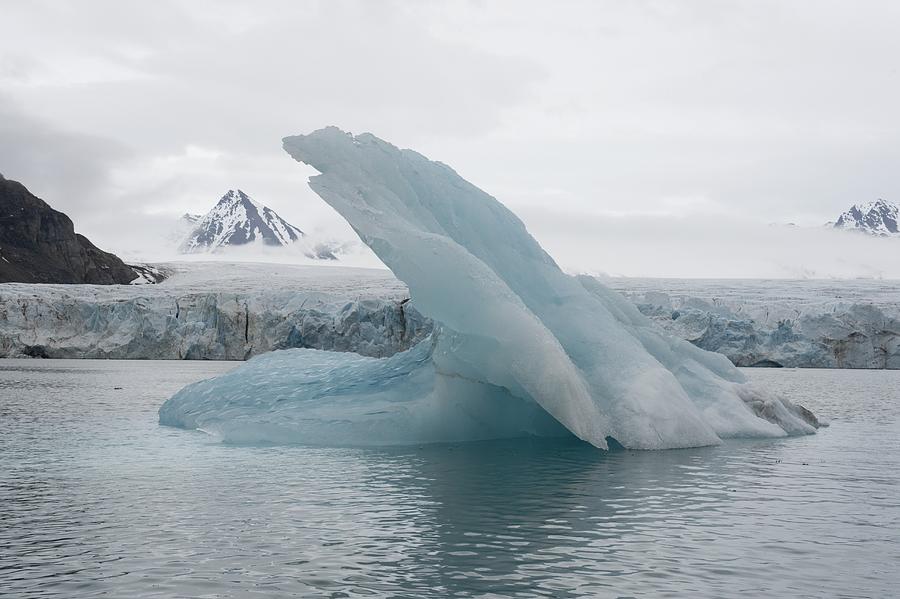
(97,499)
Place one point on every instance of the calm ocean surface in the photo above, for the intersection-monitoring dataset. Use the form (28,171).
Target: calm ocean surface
(97,500)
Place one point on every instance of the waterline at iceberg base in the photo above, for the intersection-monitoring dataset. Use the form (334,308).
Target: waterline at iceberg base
(518,348)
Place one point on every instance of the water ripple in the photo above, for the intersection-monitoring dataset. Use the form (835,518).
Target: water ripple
(97,500)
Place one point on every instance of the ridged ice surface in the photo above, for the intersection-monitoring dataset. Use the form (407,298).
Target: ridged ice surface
(509,322)
(795,324)
(98,500)
(213,311)
(232,311)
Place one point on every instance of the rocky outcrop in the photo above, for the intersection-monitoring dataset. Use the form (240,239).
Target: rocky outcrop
(39,245)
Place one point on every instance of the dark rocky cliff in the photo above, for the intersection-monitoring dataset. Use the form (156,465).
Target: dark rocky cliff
(39,245)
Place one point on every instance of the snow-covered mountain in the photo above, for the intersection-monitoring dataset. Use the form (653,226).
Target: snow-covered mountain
(238,220)
(875,218)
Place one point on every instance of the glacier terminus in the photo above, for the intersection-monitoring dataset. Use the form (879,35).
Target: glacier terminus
(518,346)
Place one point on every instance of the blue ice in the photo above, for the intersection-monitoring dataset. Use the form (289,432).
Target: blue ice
(520,347)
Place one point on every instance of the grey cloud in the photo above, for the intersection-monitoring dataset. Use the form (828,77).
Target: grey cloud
(760,109)
(67,169)
(298,66)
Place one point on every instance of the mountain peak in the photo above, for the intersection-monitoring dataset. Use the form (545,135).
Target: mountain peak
(235,195)
(879,217)
(237,219)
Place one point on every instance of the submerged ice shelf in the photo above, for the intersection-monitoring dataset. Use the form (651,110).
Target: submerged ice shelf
(516,341)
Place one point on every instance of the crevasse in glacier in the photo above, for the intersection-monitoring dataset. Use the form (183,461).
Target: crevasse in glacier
(517,341)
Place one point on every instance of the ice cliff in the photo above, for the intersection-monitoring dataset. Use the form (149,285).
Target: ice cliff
(234,311)
(213,311)
(519,347)
(803,324)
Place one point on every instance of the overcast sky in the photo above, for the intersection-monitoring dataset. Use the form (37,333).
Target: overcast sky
(633,137)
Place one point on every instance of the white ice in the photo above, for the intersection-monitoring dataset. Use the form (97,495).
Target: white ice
(513,334)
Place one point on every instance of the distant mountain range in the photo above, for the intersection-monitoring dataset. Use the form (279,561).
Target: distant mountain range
(238,220)
(39,245)
(874,218)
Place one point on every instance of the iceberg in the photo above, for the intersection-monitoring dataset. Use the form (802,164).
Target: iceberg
(519,347)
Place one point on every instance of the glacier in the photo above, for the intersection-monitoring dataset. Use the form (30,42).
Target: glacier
(517,344)
(226,310)
(791,324)
(213,311)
